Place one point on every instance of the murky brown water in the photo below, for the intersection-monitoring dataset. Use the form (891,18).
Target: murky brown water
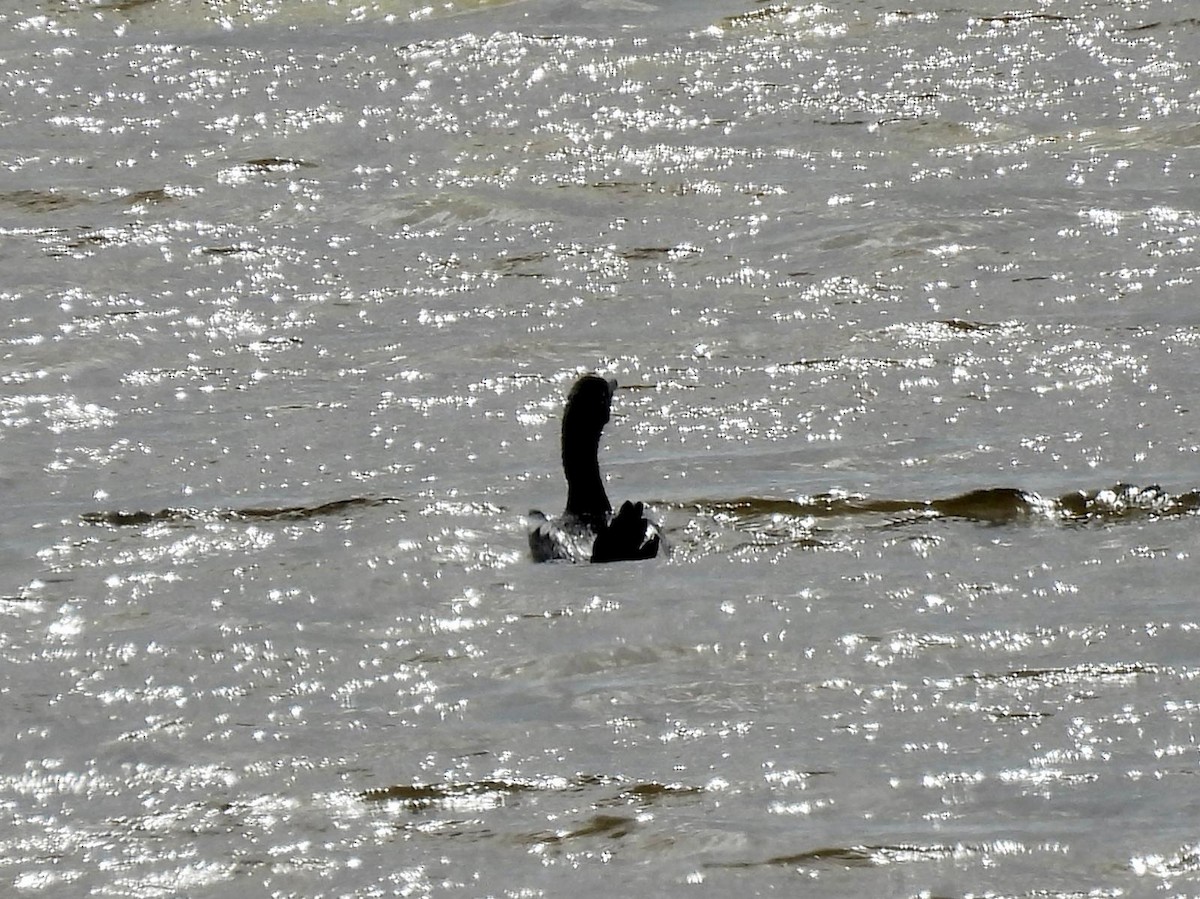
(902,302)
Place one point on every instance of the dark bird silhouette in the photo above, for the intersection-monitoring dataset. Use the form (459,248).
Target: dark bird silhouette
(588,531)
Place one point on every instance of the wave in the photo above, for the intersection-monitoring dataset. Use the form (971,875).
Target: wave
(141,518)
(877,855)
(418,797)
(991,505)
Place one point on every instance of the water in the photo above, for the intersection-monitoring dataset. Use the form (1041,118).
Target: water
(902,303)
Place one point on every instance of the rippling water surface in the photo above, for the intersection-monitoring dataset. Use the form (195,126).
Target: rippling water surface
(902,299)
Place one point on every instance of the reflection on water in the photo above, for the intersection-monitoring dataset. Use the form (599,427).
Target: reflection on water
(292,295)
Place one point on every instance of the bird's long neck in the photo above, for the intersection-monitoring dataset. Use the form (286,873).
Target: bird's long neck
(581,464)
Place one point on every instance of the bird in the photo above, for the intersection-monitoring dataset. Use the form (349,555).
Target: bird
(587,530)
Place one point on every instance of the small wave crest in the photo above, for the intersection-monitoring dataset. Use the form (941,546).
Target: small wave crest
(141,518)
(990,505)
